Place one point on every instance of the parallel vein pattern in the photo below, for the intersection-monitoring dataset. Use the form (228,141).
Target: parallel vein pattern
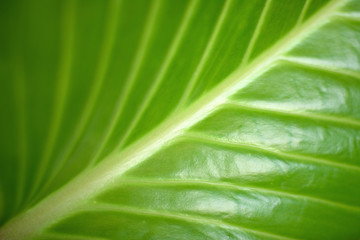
(197,122)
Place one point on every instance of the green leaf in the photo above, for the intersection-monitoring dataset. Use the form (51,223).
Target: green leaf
(174,119)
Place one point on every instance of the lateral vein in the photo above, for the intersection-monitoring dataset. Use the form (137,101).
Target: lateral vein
(234,186)
(320,65)
(163,70)
(179,216)
(302,114)
(131,78)
(217,141)
(209,48)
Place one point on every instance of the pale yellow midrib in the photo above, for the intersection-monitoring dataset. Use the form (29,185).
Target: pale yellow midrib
(93,181)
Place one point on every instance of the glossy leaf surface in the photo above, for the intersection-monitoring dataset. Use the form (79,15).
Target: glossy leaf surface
(180,119)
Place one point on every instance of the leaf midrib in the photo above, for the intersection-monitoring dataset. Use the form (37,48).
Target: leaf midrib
(93,181)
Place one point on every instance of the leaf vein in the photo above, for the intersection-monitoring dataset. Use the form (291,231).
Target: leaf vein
(234,186)
(243,145)
(296,114)
(320,65)
(256,34)
(178,216)
(164,68)
(204,58)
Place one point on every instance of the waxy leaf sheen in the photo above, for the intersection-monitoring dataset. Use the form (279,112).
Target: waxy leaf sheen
(179,119)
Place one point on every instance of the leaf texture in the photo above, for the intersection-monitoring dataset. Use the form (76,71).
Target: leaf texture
(180,119)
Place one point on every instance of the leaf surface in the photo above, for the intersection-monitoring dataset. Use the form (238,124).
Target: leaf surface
(180,119)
